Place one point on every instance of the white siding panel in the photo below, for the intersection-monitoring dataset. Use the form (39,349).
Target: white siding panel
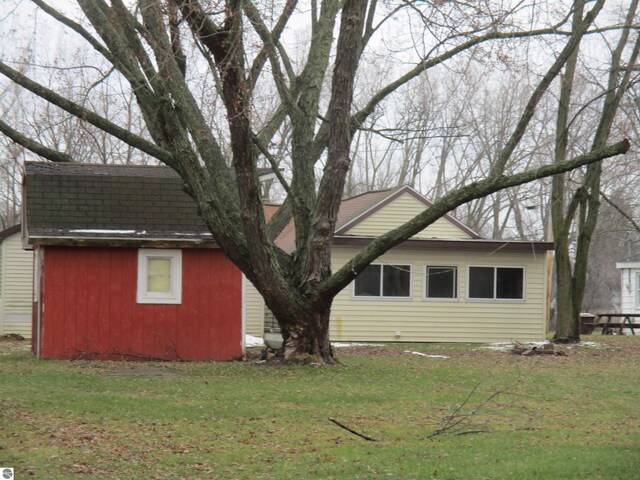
(16,287)
(629,282)
(254,310)
(401,210)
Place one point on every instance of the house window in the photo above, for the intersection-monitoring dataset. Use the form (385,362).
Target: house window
(441,282)
(159,276)
(496,283)
(384,281)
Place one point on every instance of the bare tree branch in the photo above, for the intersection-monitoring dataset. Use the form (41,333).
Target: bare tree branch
(32,145)
(85,114)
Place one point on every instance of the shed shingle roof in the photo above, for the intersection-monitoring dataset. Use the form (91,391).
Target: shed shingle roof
(108,201)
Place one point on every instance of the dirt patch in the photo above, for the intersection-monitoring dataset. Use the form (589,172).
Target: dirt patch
(11,345)
(372,351)
(142,372)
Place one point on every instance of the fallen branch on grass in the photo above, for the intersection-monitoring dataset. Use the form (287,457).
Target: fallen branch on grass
(361,435)
(467,432)
(459,421)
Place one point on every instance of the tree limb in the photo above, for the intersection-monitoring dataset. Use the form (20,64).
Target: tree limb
(624,214)
(85,114)
(32,145)
(271,40)
(76,27)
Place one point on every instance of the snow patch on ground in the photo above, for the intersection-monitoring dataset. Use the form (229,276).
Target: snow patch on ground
(251,341)
(590,345)
(508,346)
(425,354)
(347,344)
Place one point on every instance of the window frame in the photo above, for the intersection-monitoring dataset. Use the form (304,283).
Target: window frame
(382,296)
(144,296)
(637,290)
(456,282)
(495,284)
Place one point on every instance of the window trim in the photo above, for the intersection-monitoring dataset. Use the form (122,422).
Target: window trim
(456,281)
(144,296)
(495,281)
(637,290)
(381,296)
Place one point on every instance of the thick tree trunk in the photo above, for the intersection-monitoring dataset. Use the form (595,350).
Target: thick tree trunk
(306,338)
(567,325)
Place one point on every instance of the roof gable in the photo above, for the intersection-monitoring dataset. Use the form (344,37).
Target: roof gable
(396,207)
(374,213)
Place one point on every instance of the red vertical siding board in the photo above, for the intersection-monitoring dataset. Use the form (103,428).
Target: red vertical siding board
(89,276)
(203,321)
(211,306)
(131,325)
(73,335)
(71,266)
(226,288)
(155,327)
(103,307)
(217,307)
(189,310)
(119,322)
(53,312)
(115,301)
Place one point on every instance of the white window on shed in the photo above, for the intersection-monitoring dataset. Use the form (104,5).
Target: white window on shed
(159,276)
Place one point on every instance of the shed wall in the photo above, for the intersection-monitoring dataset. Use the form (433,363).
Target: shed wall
(90,307)
(16,287)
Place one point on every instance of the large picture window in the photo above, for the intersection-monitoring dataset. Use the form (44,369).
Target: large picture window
(441,282)
(159,276)
(384,281)
(503,283)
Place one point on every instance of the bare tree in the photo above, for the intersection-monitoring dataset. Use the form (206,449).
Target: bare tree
(582,205)
(242,49)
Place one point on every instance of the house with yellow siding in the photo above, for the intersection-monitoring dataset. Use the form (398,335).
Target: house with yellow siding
(16,284)
(445,284)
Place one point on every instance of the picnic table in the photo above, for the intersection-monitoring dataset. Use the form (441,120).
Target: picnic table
(610,322)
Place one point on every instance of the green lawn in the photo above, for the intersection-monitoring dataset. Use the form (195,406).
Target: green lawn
(555,417)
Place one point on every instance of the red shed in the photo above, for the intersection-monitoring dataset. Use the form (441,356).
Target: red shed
(125,268)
